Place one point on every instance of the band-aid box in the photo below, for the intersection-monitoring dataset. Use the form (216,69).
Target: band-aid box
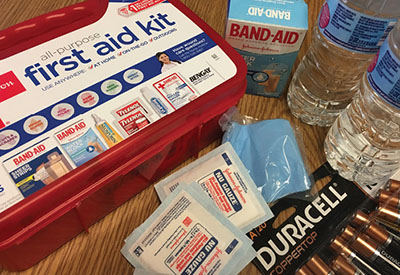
(268,34)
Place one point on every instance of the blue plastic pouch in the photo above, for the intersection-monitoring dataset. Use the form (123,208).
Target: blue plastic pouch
(270,152)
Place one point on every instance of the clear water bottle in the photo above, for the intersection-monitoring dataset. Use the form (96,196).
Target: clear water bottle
(364,142)
(345,40)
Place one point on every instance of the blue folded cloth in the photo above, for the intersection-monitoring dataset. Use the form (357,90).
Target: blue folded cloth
(270,152)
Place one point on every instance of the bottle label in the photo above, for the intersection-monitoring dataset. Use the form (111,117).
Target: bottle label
(351,29)
(384,75)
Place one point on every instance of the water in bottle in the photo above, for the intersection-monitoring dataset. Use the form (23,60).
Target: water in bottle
(364,142)
(345,40)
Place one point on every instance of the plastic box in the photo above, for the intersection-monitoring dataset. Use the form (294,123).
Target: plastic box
(47,219)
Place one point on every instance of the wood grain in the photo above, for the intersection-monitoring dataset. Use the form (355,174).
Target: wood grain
(98,252)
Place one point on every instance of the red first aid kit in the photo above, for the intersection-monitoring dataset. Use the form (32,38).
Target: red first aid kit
(98,101)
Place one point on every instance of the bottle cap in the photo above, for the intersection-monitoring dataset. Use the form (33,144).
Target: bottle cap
(341,266)
(96,118)
(364,245)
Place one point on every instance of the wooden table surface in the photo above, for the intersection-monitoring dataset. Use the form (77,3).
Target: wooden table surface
(98,252)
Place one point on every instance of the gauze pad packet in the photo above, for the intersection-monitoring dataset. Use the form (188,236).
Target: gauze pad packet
(222,175)
(270,152)
(187,234)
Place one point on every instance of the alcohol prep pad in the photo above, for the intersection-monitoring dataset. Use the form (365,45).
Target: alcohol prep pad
(225,179)
(187,234)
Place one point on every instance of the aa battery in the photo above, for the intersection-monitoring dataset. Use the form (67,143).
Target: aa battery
(394,185)
(390,227)
(342,267)
(377,255)
(389,198)
(304,270)
(348,233)
(339,246)
(376,232)
(318,266)
(383,238)
(359,219)
(389,214)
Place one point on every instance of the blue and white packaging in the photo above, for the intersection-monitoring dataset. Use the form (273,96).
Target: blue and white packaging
(187,234)
(268,34)
(225,179)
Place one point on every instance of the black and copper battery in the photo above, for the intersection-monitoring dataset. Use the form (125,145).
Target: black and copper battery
(342,267)
(388,198)
(379,258)
(318,266)
(394,186)
(383,238)
(389,214)
(361,219)
(304,270)
(349,233)
(339,246)
(376,232)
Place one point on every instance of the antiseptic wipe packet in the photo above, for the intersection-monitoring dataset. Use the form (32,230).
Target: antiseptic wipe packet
(270,152)
(187,234)
(222,175)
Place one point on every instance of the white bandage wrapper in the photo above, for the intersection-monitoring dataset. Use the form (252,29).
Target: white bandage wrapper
(226,180)
(187,234)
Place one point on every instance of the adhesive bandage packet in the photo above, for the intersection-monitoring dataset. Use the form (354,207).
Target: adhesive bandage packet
(224,178)
(81,93)
(268,34)
(187,234)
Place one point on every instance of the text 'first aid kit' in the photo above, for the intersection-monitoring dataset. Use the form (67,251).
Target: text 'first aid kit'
(99,100)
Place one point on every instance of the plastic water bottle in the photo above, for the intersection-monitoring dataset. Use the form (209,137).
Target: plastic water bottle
(364,142)
(345,40)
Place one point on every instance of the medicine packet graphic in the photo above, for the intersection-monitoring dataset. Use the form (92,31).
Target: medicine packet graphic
(175,90)
(188,235)
(222,175)
(80,142)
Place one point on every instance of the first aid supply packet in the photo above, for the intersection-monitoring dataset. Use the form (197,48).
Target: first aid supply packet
(187,234)
(70,99)
(268,34)
(223,177)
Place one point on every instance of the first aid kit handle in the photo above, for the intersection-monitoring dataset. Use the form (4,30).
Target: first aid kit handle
(48,26)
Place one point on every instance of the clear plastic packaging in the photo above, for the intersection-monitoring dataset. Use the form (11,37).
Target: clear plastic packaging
(269,149)
(337,229)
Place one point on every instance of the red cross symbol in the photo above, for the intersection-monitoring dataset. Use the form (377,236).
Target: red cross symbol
(161,86)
